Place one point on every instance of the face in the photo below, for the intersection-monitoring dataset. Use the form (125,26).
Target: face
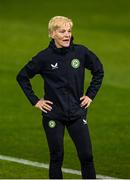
(62,36)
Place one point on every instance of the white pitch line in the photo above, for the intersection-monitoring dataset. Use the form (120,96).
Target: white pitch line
(46,166)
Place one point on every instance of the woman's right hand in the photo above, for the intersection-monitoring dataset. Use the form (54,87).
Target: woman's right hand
(44,105)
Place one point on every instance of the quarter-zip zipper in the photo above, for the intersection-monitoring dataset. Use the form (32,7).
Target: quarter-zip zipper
(67,90)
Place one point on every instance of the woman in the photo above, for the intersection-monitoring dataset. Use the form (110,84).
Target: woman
(62,66)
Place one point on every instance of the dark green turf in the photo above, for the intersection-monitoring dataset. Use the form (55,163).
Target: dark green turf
(103,26)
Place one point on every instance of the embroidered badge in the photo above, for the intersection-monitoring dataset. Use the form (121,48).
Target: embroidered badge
(51,124)
(75,63)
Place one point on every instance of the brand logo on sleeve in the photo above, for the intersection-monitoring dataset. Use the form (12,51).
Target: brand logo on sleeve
(54,66)
(75,63)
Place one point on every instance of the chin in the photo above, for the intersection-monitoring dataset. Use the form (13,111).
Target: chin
(66,45)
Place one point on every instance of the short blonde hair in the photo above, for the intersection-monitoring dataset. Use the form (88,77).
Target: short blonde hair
(56,22)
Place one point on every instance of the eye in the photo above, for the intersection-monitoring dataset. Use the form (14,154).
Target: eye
(62,31)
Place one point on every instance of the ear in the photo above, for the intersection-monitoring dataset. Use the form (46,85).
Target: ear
(53,34)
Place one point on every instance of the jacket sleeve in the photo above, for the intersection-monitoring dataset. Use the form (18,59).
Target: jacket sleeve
(26,73)
(94,65)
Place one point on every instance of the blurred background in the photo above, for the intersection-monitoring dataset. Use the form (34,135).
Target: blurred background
(104,27)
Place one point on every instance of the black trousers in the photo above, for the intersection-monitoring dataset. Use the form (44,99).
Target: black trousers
(78,131)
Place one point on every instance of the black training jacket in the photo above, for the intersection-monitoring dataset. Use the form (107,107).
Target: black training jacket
(63,71)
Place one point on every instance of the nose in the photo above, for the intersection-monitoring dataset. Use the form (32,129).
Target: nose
(67,34)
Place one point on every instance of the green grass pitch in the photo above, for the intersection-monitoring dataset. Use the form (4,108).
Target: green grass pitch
(103,26)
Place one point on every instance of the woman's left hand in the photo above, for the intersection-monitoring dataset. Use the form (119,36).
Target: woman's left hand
(85,101)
